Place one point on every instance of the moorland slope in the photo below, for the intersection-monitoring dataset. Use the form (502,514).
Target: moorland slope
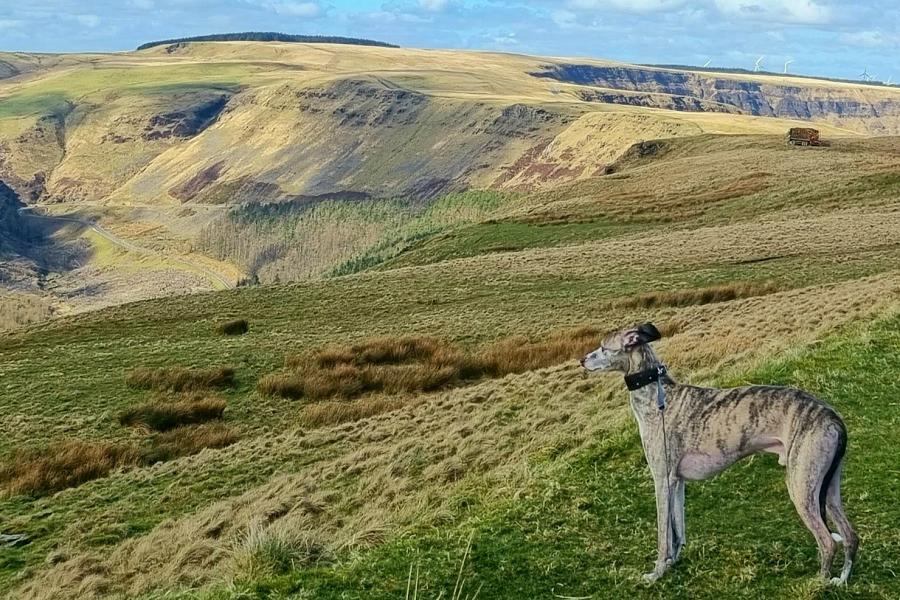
(341,155)
(346,465)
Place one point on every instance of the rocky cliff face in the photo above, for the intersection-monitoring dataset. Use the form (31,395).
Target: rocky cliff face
(700,91)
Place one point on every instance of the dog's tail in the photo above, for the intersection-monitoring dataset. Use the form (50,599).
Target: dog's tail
(829,475)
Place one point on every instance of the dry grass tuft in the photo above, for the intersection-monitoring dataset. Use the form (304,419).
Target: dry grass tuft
(233,327)
(17,309)
(265,551)
(177,379)
(286,385)
(707,295)
(163,415)
(62,465)
(517,354)
(187,440)
(376,351)
(412,364)
(70,463)
(349,381)
(332,413)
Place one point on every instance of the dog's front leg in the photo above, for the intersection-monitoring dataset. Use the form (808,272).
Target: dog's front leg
(663,527)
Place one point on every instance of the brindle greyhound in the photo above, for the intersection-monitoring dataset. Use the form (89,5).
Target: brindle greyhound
(693,433)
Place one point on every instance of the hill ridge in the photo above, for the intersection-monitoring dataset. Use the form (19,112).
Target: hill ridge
(268,36)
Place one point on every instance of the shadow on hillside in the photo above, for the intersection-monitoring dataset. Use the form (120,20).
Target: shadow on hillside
(32,246)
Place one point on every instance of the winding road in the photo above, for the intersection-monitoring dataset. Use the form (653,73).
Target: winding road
(126,245)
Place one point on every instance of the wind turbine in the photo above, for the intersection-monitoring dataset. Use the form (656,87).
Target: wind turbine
(889,79)
(865,75)
(786,63)
(706,64)
(757,66)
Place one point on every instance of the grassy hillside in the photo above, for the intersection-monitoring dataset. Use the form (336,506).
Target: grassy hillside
(157,146)
(231,121)
(584,527)
(462,233)
(306,239)
(340,490)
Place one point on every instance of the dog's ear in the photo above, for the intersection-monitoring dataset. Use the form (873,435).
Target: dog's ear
(640,335)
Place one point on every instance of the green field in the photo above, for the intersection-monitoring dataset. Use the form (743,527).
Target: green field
(100,84)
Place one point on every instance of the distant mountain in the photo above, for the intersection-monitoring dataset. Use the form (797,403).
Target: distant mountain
(269,36)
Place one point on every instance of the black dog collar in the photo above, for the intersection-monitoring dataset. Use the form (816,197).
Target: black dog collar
(636,381)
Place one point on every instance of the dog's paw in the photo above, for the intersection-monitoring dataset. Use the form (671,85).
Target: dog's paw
(650,577)
(838,581)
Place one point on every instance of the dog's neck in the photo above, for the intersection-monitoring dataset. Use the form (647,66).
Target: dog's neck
(643,358)
(644,399)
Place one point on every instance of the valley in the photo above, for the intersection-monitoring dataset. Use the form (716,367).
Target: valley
(162,147)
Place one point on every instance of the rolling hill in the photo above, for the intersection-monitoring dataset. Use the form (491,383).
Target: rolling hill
(348,144)
(408,413)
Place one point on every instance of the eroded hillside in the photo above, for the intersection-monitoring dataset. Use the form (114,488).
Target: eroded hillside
(159,147)
(233,122)
(856,107)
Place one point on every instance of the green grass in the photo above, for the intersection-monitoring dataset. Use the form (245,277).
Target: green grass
(299,240)
(444,303)
(506,236)
(587,530)
(456,212)
(27,104)
(67,378)
(53,91)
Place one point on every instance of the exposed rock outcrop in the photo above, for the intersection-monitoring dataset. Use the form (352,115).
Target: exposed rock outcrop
(684,90)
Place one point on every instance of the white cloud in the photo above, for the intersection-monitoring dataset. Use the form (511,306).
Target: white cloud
(627,5)
(295,9)
(10,23)
(564,18)
(299,9)
(434,5)
(808,12)
(869,39)
(88,20)
(508,39)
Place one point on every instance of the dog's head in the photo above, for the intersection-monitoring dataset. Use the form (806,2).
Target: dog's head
(615,353)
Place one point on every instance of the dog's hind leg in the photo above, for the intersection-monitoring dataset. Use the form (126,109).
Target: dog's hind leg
(806,470)
(678,535)
(808,509)
(849,539)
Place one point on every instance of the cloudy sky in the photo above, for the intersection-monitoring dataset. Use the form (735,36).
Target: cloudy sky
(823,37)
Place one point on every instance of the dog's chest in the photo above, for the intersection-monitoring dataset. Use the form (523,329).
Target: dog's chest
(696,466)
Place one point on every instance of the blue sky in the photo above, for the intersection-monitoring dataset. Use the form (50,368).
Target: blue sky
(823,37)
